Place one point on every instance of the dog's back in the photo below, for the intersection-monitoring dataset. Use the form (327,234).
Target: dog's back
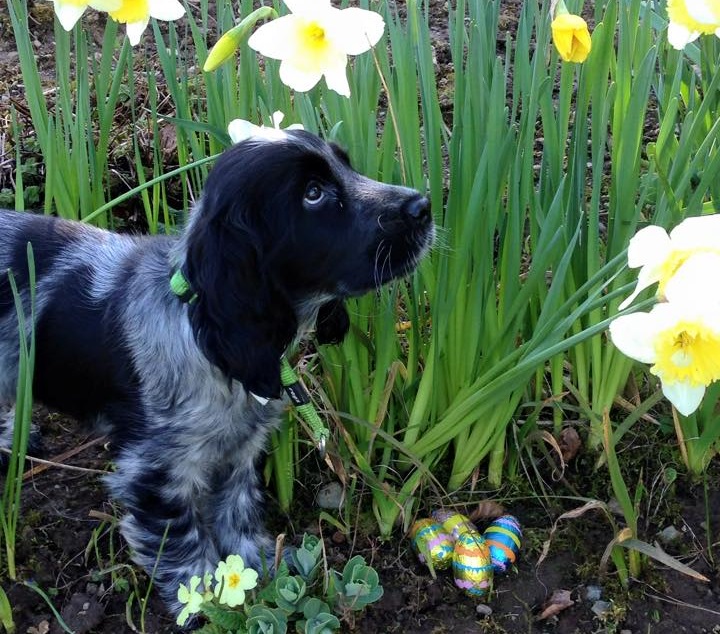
(79,275)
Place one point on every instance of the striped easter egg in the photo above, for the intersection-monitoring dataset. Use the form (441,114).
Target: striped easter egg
(454,523)
(429,540)
(472,565)
(503,538)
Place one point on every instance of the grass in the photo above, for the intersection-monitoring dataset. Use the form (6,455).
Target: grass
(539,172)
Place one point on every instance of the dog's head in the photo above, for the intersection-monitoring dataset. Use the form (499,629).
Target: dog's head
(285,225)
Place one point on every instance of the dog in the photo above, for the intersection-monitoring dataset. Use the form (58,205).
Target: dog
(185,378)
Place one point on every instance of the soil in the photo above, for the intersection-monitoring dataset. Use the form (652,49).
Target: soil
(68,543)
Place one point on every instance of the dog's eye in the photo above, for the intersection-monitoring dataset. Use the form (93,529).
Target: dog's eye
(313,193)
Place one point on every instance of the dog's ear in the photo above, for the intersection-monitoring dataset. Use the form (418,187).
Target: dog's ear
(240,320)
(332,322)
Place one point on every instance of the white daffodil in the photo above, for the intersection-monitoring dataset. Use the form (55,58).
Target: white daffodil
(240,129)
(136,14)
(314,40)
(688,19)
(68,12)
(682,342)
(660,256)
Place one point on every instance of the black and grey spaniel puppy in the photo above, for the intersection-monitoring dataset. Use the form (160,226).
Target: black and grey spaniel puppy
(284,231)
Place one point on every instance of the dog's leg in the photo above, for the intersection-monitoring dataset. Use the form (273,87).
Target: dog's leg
(162,525)
(238,522)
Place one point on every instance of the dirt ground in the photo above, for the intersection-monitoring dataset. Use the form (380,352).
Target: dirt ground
(68,544)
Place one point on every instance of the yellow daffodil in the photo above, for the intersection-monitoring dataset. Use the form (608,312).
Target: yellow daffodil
(136,14)
(69,12)
(688,19)
(233,579)
(681,341)
(240,129)
(570,35)
(660,257)
(314,40)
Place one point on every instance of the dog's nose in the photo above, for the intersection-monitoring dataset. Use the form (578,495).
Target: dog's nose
(418,208)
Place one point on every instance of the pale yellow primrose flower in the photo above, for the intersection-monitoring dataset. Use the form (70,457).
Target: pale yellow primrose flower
(691,18)
(314,40)
(191,598)
(136,14)
(661,256)
(240,129)
(233,579)
(681,341)
(68,12)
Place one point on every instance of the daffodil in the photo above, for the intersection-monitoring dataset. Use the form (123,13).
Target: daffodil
(233,579)
(190,598)
(315,39)
(661,256)
(681,341)
(570,35)
(240,129)
(69,12)
(688,19)
(136,14)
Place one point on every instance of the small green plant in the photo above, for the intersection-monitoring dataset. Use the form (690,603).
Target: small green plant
(304,602)
(10,501)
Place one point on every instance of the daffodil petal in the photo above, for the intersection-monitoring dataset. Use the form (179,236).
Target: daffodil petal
(695,281)
(135,31)
(239,130)
(680,36)
(167,10)
(634,335)
(297,78)
(647,276)
(648,246)
(707,12)
(68,14)
(697,232)
(276,39)
(336,77)
(685,397)
(357,30)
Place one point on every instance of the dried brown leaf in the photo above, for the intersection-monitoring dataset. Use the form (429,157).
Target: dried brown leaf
(559,601)
(570,443)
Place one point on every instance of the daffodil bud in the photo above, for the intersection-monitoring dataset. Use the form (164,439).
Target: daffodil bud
(230,41)
(570,35)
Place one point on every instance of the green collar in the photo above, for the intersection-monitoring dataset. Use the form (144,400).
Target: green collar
(181,287)
(292,385)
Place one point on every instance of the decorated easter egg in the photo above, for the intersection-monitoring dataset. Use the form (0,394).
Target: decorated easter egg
(472,565)
(429,540)
(454,523)
(503,539)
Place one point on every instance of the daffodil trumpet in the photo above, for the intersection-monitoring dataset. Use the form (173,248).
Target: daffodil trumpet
(225,47)
(682,344)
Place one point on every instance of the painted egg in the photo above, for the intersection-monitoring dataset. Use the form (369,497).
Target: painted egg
(503,538)
(455,524)
(472,565)
(430,540)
